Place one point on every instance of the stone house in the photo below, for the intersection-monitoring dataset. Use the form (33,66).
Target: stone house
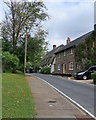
(65,62)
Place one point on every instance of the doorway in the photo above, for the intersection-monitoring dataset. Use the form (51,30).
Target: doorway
(64,68)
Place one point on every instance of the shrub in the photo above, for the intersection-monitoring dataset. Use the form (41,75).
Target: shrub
(93,76)
(45,70)
(21,67)
(28,65)
(10,62)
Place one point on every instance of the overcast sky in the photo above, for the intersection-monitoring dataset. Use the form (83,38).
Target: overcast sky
(69,18)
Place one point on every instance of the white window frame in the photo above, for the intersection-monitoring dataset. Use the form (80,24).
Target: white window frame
(71,51)
(71,66)
(59,55)
(59,66)
(64,53)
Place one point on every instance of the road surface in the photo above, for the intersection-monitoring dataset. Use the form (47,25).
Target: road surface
(79,92)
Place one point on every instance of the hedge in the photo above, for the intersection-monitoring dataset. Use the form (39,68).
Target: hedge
(93,76)
(45,70)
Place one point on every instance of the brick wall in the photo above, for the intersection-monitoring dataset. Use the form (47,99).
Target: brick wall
(61,59)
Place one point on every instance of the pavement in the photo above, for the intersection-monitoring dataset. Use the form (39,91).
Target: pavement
(51,104)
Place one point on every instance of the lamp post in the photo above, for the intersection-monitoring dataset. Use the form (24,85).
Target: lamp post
(25,52)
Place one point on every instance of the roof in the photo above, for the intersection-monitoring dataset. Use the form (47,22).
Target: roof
(49,57)
(74,42)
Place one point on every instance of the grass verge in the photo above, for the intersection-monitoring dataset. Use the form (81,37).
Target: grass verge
(17,101)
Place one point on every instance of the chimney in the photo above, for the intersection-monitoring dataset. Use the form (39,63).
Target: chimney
(68,40)
(54,46)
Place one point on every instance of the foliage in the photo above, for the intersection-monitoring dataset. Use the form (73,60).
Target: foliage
(19,16)
(85,54)
(45,70)
(17,101)
(10,62)
(36,47)
(93,76)
(28,65)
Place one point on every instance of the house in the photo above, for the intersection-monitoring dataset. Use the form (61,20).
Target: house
(49,59)
(65,62)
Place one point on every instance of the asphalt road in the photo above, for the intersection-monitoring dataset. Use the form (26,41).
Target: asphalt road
(79,92)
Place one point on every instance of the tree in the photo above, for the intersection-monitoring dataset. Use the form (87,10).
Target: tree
(10,62)
(37,46)
(20,15)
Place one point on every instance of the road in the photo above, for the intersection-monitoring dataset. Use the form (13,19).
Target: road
(79,92)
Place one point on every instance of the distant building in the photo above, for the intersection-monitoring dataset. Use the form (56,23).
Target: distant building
(61,59)
(49,59)
(65,62)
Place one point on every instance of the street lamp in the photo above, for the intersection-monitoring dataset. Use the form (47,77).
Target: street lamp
(25,52)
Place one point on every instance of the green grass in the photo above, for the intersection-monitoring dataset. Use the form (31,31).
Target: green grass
(17,101)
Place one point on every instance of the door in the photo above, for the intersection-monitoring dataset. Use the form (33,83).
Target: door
(64,68)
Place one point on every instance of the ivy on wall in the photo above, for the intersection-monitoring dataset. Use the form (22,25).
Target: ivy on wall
(85,54)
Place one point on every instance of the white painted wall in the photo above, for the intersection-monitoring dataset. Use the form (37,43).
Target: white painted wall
(52,65)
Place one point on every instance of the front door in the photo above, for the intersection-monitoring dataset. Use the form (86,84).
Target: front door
(64,68)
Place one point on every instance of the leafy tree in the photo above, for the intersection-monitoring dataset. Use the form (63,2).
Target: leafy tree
(20,15)
(36,48)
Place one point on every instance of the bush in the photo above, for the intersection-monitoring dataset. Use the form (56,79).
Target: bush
(10,62)
(93,76)
(21,67)
(45,70)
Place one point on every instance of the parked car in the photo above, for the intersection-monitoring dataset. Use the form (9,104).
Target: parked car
(86,74)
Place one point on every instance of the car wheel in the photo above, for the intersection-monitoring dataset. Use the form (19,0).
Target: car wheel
(84,77)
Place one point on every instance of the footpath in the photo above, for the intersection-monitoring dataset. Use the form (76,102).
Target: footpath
(51,104)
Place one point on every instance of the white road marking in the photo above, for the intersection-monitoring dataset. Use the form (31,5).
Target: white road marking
(86,111)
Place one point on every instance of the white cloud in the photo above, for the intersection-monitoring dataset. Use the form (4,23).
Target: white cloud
(68,19)
(69,1)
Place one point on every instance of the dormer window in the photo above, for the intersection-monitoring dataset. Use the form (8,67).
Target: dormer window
(71,51)
(64,53)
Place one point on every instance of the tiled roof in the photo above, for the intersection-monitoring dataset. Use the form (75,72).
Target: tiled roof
(48,58)
(74,42)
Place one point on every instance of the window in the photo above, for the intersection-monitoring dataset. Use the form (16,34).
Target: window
(71,66)
(59,66)
(59,55)
(64,53)
(71,51)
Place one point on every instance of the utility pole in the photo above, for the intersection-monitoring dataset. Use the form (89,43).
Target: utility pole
(25,52)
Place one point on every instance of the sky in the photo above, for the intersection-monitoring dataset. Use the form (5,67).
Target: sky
(68,18)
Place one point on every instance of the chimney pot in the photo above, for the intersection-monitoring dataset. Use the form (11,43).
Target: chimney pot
(54,46)
(68,40)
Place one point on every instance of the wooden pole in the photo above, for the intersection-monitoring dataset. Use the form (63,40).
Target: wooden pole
(25,52)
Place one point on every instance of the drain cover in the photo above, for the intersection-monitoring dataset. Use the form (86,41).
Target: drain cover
(52,101)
